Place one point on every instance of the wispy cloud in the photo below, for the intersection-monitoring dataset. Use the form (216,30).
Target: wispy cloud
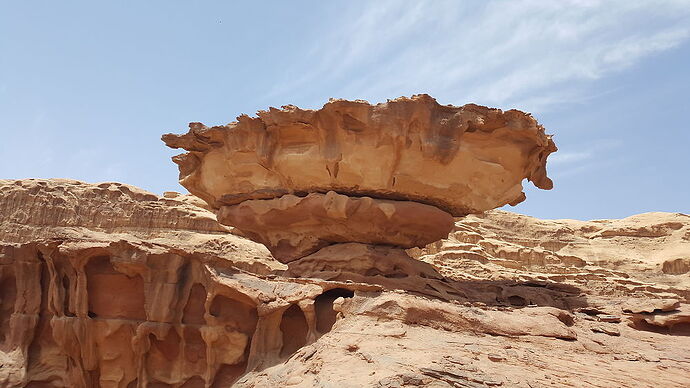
(569,157)
(593,155)
(501,53)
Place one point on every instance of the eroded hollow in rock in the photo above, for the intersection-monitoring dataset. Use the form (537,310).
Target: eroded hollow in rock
(323,304)
(516,300)
(194,310)
(235,314)
(195,347)
(8,295)
(103,280)
(680,328)
(194,382)
(67,310)
(294,328)
(168,347)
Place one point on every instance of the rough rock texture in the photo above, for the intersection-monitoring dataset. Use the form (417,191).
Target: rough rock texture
(519,302)
(107,285)
(624,257)
(34,209)
(292,227)
(460,159)
(104,285)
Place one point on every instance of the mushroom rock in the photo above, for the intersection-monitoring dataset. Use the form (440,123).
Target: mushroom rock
(391,174)
(463,160)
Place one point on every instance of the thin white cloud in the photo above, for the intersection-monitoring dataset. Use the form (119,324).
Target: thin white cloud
(569,157)
(496,52)
(572,162)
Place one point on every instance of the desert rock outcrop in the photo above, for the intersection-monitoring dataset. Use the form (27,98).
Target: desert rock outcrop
(88,299)
(358,275)
(391,174)
(111,286)
(293,227)
(460,159)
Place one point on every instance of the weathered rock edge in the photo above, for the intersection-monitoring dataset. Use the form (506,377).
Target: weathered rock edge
(462,160)
(293,227)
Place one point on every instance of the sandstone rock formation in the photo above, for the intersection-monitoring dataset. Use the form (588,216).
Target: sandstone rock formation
(460,159)
(370,281)
(394,174)
(107,285)
(292,227)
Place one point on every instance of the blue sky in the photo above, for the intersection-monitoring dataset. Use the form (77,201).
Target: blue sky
(87,88)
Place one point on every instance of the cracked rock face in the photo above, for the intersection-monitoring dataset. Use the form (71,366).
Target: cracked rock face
(462,160)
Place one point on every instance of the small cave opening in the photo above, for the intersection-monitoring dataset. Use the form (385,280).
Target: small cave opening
(94,377)
(235,313)
(194,382)
(323,304)
(680,329)
(168,347)
(156,384)
(113,294)
(40,384)
(645,326)
(134,383)
(294,328)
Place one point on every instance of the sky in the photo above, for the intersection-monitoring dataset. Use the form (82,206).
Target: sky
(87,88)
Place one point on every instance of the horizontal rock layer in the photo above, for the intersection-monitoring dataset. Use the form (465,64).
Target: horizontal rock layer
(460,159)
(292,227)
(40,209)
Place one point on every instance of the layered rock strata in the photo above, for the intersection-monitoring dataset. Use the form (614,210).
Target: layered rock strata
(111,286)
(460,159)
(293,227)
(505,301)
(390,174)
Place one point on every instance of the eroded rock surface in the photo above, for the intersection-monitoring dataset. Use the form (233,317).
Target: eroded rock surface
(123,297)
(505,300)
(37,209)
(293,227)
(106,285)
(460,159)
